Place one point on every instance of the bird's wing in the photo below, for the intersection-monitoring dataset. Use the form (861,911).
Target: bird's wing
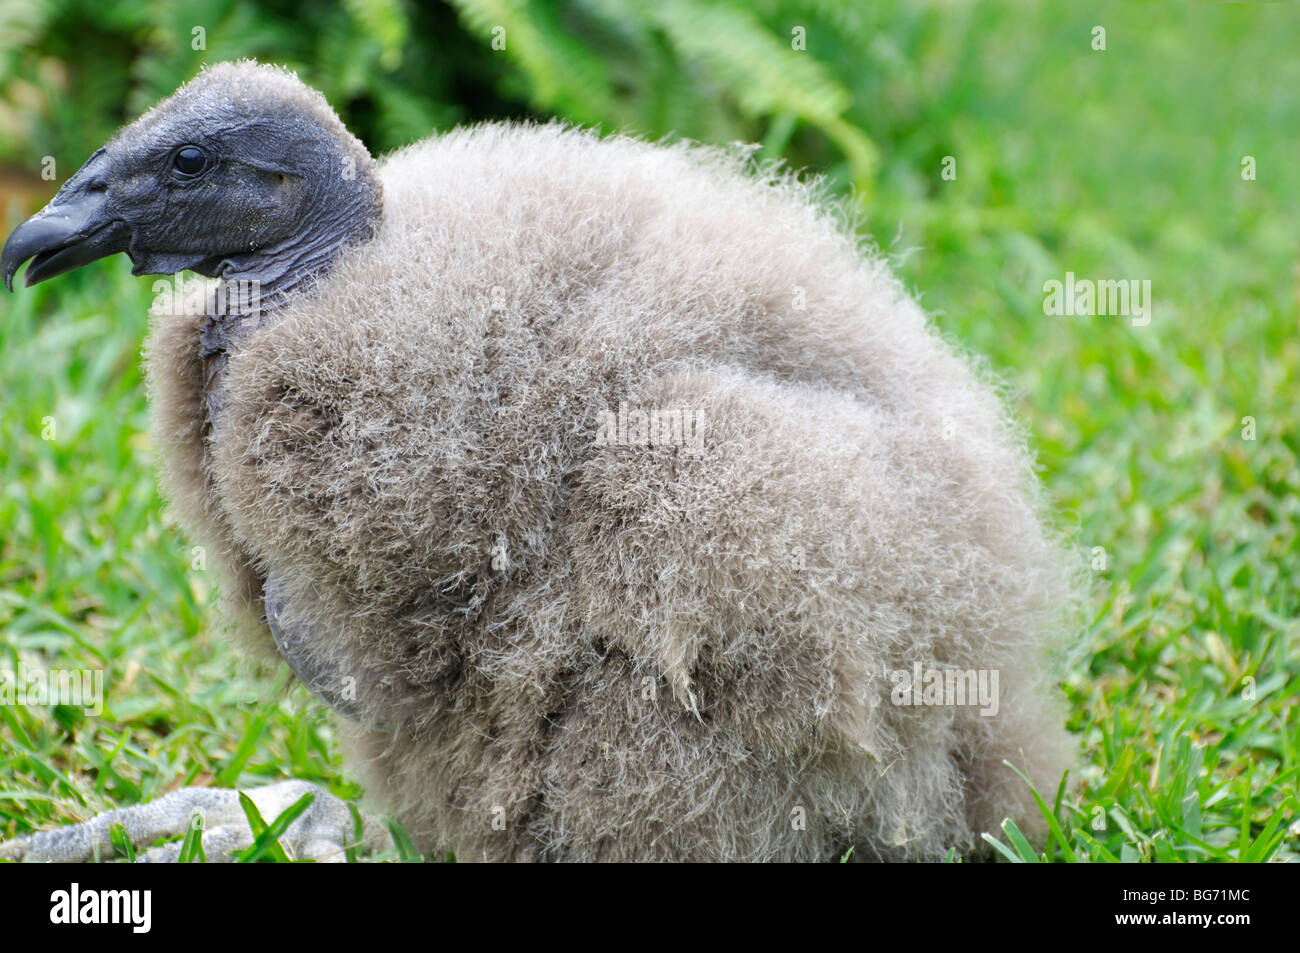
(731,561)
(323,676)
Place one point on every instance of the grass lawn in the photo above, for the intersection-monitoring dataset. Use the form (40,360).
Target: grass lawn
(1170,448)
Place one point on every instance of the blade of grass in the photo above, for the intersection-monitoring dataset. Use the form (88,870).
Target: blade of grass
(1050,816)
(122,846)
(266,837)
(1020,842)
(192,848)
(1002,848)
(402,841)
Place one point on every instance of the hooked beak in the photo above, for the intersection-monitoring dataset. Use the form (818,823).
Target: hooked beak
(73,230)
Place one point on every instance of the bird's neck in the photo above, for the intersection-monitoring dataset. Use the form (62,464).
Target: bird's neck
(254,285)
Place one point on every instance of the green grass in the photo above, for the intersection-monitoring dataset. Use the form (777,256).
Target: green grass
(1184,684)
(92,577)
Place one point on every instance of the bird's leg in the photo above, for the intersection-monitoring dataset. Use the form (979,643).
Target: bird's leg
(323,832)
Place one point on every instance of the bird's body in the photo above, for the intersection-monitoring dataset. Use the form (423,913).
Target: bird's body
(567,631)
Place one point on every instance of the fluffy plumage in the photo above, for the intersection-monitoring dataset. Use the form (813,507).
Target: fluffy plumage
(588,652)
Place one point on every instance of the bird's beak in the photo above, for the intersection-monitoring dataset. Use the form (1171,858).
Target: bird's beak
(73,230)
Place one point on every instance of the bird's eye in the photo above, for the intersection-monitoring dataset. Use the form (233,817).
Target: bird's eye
(189,160)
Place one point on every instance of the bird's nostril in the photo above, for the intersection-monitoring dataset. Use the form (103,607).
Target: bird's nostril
(99,185)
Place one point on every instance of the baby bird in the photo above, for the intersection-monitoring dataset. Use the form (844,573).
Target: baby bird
(620,502)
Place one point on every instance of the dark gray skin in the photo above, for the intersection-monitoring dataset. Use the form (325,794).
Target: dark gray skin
(208,188)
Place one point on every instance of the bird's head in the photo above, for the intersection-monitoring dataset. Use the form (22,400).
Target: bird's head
(245,171)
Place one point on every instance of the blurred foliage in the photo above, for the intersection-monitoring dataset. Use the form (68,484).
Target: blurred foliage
(785,73)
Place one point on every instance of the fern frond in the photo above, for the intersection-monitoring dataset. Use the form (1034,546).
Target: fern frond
(765,75)
(565,75)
